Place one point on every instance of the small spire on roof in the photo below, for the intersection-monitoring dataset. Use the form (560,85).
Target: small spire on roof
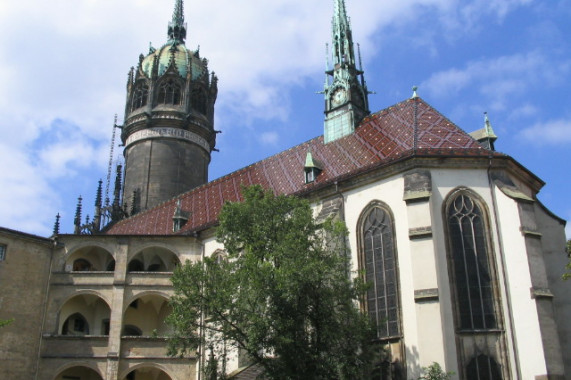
(414,94)
(56,226)
(488,126)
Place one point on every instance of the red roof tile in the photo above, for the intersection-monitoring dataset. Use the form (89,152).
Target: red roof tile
(383,137)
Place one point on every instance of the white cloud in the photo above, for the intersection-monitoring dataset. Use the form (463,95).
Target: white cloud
(554,132)
(269,138)
(499,78)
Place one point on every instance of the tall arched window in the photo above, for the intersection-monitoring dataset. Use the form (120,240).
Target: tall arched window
(140,96)
(169,93)
(473,282)
(471,265)
(379,264)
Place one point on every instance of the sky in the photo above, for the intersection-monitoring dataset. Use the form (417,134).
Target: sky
(64,65)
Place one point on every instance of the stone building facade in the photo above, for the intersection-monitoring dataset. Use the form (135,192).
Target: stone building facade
(463,260)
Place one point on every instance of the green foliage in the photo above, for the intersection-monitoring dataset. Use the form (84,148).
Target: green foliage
(282,295)
(5,322)
(567,275)
(435,372)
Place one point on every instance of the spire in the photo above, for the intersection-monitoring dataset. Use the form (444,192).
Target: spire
(177,27)
(342,36)
(485,136)
(346,96)
(77,219)
(56,226)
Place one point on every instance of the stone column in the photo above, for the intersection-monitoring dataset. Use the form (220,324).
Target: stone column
(116,322)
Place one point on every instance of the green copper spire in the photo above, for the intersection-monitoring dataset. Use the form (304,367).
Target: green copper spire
(346,94)
(342,36)
(177,27)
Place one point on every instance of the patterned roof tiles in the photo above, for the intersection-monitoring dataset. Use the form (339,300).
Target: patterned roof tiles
(411,127)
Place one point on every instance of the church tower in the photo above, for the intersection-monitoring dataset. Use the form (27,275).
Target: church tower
(168,131)
(346,94)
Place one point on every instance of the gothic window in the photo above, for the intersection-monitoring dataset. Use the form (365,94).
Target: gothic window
(169,93)
(140,96)
(471,271)
(198,101)
(483,367)
(379,263)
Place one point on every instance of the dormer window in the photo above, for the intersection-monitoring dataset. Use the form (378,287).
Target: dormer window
(312,168)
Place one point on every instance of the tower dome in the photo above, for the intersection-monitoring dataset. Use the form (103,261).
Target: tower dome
(168,131)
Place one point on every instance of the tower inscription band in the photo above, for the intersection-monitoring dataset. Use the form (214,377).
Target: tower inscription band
(174,133)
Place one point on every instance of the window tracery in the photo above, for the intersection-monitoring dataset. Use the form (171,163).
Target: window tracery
(140,96)
(379,263)
(169,92)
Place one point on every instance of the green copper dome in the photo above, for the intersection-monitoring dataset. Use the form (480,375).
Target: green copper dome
(184,60)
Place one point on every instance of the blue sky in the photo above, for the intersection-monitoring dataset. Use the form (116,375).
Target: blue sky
(64,64)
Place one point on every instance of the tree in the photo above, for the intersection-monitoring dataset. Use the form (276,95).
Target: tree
(435,372)
(283,295)
(567,275)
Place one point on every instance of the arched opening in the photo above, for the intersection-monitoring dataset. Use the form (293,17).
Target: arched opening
(85,314)
(153,259)
(147,373)
(145,316)
(90,259)
(79,373)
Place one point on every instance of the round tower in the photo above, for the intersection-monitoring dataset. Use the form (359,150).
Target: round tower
(168,131)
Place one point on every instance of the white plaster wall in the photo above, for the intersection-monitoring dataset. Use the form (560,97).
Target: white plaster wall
(390,191)
(527,334)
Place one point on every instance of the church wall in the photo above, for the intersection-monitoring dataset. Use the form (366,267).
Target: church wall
(426,303)
(23,276)
(553,243)
(526,336)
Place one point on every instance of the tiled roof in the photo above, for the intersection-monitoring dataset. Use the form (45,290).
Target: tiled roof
(411,127)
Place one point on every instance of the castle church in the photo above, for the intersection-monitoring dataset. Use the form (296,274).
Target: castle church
(464,262)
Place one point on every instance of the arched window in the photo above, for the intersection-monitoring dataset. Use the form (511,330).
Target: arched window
(471,265)
(379,264)
(473,284)
(140,96)
(169,93)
